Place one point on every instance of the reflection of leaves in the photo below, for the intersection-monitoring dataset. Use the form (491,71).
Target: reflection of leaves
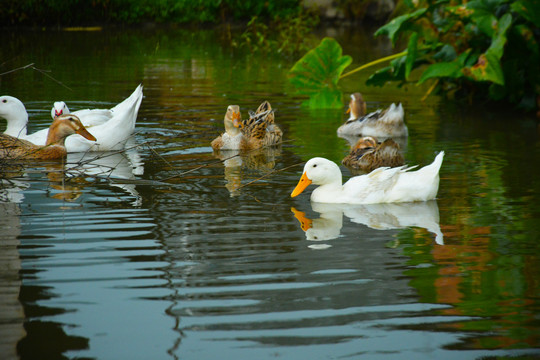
(317,74)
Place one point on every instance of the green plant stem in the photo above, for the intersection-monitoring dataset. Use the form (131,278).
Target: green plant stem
(378,61)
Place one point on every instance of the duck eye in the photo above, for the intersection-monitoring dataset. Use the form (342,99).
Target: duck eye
(314,165)
(4,101)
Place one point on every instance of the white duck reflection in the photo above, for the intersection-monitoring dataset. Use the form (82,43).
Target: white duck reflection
(114,165)
(376,216)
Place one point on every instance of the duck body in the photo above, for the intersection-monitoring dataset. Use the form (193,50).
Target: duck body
(54,148)
(386,123)
(260,129)
(232,138)
(382,185)
(112,127)
(368,155)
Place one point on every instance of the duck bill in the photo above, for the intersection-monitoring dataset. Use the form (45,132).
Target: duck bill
(348,110)
(237,120)
(84,133)
(301,186)
(305,223)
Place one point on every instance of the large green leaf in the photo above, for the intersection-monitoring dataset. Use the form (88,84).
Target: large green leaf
(529,9)
(487,68)
(392,28)
(317,73)
(325,99)
(499,40)
(442,69)
(411,54)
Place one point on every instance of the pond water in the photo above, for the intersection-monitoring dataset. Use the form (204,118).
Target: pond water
(169,252)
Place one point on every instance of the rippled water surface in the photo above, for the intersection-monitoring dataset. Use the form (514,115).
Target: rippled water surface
(169,251)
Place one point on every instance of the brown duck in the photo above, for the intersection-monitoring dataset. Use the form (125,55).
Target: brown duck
(256,132)
(367,155)
(63,126)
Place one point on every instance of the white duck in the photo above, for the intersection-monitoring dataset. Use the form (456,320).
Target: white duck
(382,185)
(381,123)
(112,127)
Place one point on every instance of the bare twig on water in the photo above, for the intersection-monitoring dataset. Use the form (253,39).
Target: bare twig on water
(268,174)
(43,72)
(218,161)
(17,69)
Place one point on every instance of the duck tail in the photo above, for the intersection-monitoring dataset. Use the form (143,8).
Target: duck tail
(130,101)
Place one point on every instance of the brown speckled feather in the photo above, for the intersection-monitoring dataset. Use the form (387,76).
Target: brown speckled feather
(13,148)
(260,129)
(62,126)
(367,155)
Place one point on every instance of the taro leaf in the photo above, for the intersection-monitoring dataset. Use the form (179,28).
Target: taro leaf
(499,40)
(447,53)
(317,74)
(529,9)
(411,54)
(485,22)
(394,26)
(446,69)
(380,77)
(325,99)
(442,69)
(487,68)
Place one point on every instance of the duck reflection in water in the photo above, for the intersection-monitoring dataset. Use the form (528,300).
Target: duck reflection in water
(70,181)
(376,216)
(236,162)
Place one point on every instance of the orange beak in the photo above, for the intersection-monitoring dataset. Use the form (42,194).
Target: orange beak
(305,223)
(348,110)
(301,186)
(237,120)
(84,133)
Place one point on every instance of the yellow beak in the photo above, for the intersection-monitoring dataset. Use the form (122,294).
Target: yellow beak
(83,132)
(237,120)
(301,186)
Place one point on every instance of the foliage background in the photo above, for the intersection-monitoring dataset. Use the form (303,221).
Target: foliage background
(81,12)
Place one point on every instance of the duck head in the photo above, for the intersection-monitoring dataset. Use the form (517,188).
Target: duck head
(357,106)
(365,143)
(13,110)
(233,120)
(65,125)
(318,171)
(59,108)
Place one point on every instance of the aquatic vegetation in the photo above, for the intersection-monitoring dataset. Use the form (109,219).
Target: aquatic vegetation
(317,74)
(467,50)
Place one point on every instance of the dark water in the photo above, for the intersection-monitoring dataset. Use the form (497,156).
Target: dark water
(184,257)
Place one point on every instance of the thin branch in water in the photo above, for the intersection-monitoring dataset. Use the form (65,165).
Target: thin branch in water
(17,69)
(44,72)
(268,174)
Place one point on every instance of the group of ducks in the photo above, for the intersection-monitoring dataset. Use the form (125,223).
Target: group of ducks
(92,129)
(387,179)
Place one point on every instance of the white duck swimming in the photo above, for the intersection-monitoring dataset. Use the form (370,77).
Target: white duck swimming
(382,185)
(112,128)
(381,123)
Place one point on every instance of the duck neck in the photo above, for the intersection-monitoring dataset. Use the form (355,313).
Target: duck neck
(55,136)
(16,125)
(231,129)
